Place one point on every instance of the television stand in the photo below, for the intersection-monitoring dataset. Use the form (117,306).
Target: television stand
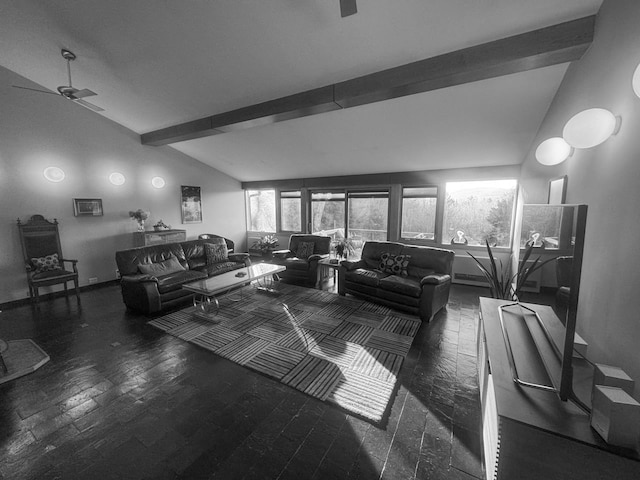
(530,433)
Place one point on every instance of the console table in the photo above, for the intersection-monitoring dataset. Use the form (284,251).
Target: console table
(155,237)
(530,433)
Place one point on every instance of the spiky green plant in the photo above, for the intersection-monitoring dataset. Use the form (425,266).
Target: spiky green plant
(501,283)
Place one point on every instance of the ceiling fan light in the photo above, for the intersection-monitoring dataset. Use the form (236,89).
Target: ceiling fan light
(158,182)
(116,178)
(553,151)
(53,174)
(590,128)
(635,82)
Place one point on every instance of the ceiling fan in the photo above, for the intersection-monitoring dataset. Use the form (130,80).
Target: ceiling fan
(68,91)
(348,7)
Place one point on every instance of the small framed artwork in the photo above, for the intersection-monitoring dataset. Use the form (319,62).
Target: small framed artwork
(191,204)
(87,207)
(557,191)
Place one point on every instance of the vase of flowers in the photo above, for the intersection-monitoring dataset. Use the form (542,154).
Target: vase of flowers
(344,247)
(139,216)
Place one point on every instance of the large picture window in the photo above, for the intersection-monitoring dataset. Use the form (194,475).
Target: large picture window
(479,211)
(419,213)
(262,210)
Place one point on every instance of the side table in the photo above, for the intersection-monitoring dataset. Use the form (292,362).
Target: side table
(3,348)
(326,267)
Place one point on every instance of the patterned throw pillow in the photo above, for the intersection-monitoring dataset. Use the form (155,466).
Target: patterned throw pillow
(305,249)
(394,264)
(216,252)
(50,262)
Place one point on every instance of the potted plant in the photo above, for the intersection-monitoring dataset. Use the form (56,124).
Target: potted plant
(139,216)
(344,247)
(160,225)
(266,244)
(501,282)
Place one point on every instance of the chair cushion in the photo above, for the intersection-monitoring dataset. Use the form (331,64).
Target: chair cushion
(58,272)
(295,263)
(216,252)
(49,262)
(170,265)
(394,264)
(175,280)
(222,267)
(305,249)
(365,277)
(404,285)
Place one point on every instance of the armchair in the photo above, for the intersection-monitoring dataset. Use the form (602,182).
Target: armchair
(301,258)
(43,257)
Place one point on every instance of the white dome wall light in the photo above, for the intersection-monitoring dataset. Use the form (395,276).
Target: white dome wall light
(116,178)
(54,174)
(590,128)
(158,182)
(553,151)
(635,82)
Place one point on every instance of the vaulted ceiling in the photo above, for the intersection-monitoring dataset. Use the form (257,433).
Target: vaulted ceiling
(156,64)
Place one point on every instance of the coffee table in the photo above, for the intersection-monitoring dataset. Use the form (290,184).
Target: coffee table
(206,291)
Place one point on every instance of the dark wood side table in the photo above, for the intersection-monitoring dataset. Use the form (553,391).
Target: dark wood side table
(3,348)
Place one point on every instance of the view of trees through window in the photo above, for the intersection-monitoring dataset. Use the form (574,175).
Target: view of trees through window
(419,212)
(262,210)
(328,213)
(479,211)
(543,220)
(368,216)
(290,211)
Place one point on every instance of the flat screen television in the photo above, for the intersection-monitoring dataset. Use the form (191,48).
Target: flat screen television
(559,230)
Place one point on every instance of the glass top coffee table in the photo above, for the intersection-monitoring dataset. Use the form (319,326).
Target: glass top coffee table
(206,291)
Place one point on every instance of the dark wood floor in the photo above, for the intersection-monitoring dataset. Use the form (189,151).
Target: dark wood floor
(120,399)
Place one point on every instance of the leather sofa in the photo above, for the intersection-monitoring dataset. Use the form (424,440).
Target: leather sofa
(302,266)
(152,276)
(412,278)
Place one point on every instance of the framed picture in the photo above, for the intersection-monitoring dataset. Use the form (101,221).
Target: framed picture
(191,204)
(557,191)
(87,207)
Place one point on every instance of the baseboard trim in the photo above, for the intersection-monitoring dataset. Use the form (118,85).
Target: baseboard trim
(50,296)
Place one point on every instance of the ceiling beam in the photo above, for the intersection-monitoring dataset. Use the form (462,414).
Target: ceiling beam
(547,46)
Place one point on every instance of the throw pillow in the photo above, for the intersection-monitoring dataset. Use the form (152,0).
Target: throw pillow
(216,252)
(170,265)
(305,249)
(394,264)
(49,262)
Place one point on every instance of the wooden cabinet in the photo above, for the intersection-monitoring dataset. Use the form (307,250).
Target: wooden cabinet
(142,239)
(530,433)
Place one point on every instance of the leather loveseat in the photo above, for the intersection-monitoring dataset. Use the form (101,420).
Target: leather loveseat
(301,258)
(412,278)
(152,276)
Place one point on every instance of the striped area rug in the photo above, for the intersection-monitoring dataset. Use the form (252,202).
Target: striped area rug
(340,350)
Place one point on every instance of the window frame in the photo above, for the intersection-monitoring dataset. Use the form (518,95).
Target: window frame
(438,215)
(279,197)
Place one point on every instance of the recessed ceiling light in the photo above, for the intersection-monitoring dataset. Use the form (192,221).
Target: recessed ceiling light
(53,174)
(635,82)
(553,151)
(117,178)
(590,128)
(158,182)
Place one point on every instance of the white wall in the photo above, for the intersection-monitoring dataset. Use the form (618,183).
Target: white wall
(607,179)
(38,130)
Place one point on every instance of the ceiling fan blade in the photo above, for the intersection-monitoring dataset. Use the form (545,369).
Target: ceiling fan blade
(348,7)
(34,89)
(85,92)
(90,106)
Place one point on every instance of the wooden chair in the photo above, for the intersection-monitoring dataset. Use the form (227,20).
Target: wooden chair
(43,257)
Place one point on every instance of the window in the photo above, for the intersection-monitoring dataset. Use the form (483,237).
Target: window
(290,211)
(328,214)
(262,210)
(368,216)
(419,213)
(479,211)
